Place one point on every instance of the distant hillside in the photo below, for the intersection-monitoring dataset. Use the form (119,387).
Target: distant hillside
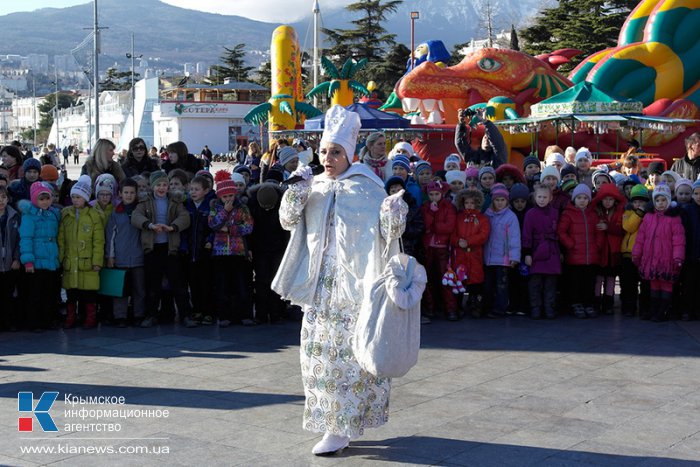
(177,35)
(161,30)
(452,21)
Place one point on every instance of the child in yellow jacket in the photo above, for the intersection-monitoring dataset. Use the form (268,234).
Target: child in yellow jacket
(629,275)
(81,243)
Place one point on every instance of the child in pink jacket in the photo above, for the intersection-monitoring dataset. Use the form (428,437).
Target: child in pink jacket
(659,251)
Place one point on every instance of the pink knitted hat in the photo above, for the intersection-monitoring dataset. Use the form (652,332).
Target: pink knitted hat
(38,188)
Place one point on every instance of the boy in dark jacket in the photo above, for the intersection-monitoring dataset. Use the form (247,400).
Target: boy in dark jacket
(519,303)
(268,242)
(123,250)
(20,189)
(412,237)
(195,245)
(9,260)
(691,223)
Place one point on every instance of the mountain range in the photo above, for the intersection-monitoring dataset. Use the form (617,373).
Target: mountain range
(176,35)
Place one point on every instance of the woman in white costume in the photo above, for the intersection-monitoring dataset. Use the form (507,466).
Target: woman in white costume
(341,223)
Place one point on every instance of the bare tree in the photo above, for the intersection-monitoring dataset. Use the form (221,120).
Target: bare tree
(487,22)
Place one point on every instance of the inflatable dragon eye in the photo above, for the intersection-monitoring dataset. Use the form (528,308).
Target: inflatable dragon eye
(489,64)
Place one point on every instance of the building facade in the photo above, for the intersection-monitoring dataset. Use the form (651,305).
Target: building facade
(203,115)
(196,114)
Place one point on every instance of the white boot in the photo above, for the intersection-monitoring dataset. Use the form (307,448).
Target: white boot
(330,444)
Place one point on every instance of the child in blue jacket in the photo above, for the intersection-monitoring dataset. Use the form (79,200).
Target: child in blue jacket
(38,247)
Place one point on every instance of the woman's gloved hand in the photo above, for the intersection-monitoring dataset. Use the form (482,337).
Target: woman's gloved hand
(306,174)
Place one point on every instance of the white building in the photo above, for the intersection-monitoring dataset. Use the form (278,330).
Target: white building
(64,63)
(38,63)
(195,114)
(208,115)
(201,69)
(140,122)
(76,124)
(6,124)
(14,83)
(25,113)
(501,41)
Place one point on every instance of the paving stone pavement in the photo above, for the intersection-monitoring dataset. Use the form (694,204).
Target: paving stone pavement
(609,391)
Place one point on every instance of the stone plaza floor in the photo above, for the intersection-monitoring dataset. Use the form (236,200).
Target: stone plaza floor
(609,391)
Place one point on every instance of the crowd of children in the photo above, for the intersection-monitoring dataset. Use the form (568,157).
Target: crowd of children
(134,251)
(542,241)
(554,240)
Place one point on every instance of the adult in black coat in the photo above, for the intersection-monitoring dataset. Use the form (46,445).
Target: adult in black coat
(493,147)
(268,243)
(137,160)
(689,166)
(179,157)
(690,215)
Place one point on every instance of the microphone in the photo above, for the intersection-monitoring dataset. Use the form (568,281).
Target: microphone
(315,170)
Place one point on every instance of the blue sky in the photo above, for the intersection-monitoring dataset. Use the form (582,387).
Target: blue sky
(262,10)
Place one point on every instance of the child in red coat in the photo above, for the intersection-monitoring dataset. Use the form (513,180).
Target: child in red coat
(580,238)
(659,251)
(439,215)
(471,232)
(609,204)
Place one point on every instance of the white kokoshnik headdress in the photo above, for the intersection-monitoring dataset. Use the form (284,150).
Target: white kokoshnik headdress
(342,127)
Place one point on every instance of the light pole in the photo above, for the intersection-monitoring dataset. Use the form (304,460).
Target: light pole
(133,98)
(34,108)
(317,13)
(58,140)
(89,118)
(96,71)
(414,16)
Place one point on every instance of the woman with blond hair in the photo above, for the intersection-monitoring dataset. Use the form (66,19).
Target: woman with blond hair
(252,161)
(102,162)
(374,155)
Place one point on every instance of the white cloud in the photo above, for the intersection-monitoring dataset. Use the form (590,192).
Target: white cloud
(280,11)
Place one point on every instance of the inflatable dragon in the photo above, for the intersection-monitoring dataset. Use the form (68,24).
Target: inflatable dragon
(437,93)
(655,61)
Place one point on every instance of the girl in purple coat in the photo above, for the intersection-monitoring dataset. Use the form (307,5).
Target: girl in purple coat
(541,249)
(659,251)
(501,252)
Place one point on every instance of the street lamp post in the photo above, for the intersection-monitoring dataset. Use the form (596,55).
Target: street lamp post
(414,16)
(58,141)
(96,70)
(89,118)
(34,107)
(133,96)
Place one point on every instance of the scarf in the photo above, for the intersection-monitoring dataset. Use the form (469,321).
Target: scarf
(377,165)
(127,208)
